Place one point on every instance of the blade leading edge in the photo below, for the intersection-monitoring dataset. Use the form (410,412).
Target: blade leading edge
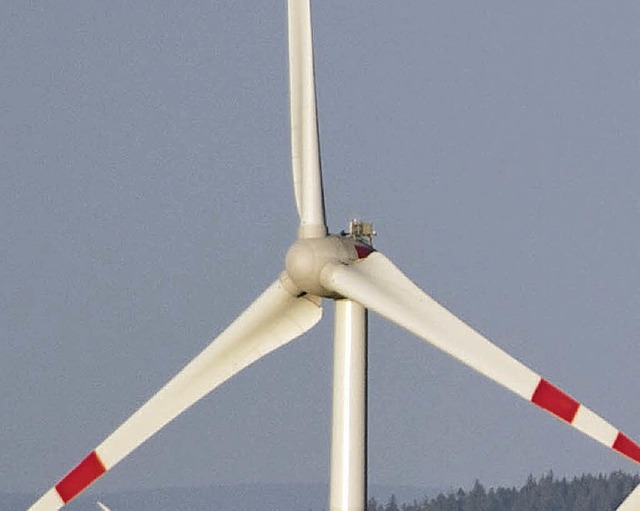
(274,319)
(305,147)
(379,285)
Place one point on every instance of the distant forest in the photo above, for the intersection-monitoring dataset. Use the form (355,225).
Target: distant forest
(586,493)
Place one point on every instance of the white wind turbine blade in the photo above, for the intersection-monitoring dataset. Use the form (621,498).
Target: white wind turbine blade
(305,147)
(379,285)
(274,319)
(632,502)
(102,506)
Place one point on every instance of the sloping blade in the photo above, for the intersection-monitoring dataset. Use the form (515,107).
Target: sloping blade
(632,502)
(379,285)
(274,319)
(305,147)
(102,506)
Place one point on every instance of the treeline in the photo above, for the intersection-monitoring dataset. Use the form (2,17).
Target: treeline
(586,493)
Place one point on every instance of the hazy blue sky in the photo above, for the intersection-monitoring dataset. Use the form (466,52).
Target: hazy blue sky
(145,200)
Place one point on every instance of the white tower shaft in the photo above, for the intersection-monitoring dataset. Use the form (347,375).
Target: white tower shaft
(348,489)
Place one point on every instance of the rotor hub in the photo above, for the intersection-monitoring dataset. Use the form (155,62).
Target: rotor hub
(308,256)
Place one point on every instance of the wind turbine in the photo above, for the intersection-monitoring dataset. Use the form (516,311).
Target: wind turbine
(347,269)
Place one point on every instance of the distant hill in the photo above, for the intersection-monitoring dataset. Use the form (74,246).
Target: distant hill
(585,493)
(232,497)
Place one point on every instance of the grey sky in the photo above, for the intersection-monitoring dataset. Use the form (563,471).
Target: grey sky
(146,200)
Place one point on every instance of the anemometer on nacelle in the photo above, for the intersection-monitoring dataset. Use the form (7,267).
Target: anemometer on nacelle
(361,231)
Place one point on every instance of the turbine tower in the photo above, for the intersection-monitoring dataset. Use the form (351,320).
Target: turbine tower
(346,269)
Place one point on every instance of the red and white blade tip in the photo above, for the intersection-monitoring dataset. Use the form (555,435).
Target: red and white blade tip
(82,476)
(375,282)
(563,406)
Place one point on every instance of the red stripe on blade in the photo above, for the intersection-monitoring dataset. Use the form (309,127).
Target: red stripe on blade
(624,445)
(80,477)
(555,401)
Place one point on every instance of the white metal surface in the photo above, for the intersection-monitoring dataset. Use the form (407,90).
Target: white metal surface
(632,502)
(274,319)
(348,485)
(305,147)
(48,502)
(379,285)
(306,258)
